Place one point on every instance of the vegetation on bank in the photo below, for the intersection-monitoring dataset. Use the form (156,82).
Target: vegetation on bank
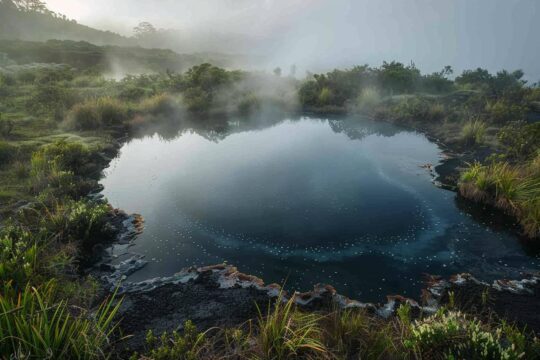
(286,332)
(476,112)
(59,126)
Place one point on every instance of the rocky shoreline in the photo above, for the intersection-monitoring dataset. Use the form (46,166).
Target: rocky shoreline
(222,296)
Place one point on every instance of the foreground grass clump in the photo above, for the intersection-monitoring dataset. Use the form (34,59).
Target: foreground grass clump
(189,345)
(96,114)
(286,332)
(35,324)
(514,189)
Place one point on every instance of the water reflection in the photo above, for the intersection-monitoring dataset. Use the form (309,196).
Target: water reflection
(341,201)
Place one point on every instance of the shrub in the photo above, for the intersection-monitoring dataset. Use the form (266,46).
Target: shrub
(172,347)
(504,111)
(132,93)
(520,140)
(35,325)
(453,335)
(70,156)
(97,113)
(248,104)
(51,99)
(83,117)
(325,96)
(417,108)
(18,254)
(81,221)
(473,132)
(56,167)
(197,100)
(157,104)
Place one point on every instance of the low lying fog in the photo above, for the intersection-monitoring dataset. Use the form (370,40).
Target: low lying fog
(322,34)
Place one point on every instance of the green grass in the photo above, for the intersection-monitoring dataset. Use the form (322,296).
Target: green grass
(473,132)
(285,332)
(34,324)
(514,189)
(96,114)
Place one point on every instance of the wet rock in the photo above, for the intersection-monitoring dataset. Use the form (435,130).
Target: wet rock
(516,301)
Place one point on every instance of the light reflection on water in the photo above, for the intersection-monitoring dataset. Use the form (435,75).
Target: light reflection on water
(344,202)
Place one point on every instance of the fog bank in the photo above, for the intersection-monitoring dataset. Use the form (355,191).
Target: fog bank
(320,34)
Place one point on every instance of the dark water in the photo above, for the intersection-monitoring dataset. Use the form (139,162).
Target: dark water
(304,201)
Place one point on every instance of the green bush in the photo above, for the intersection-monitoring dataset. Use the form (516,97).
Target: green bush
(70,156)
(97,113)
(187,346)
(197,100)
(157,104)
(132,93)
(453,335)
(18,254)
(504,111)
(79,221)
(520,140)
(418,109)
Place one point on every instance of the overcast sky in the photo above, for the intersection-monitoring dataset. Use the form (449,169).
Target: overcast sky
(494,34)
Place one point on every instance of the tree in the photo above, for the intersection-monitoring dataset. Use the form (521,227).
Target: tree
(396,77)
(31,5)
(277,71)
(144,29)
(292,73)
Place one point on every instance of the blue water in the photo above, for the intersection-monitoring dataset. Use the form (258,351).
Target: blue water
(303,201)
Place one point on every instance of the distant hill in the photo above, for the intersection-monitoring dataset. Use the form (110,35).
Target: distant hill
(108,58)
(42,24)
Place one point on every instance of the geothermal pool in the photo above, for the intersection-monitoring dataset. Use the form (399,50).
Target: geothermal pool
(304,201)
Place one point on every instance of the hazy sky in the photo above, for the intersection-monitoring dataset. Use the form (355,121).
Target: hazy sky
(324,33)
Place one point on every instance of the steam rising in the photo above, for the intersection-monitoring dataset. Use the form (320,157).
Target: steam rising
(317,35)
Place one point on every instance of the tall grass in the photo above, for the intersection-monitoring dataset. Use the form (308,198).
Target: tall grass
(157,104)
(285,332)
(34,325)
(514,189)
(94,114)
(356,334)
(473,132)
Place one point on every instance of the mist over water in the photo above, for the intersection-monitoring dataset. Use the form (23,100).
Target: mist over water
(318,35)
(305,201)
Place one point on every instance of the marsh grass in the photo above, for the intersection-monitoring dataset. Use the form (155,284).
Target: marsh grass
(473,132)
(285,332)
(157,104)
(94,114)
(34,324)
(514,189)
(354,333)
